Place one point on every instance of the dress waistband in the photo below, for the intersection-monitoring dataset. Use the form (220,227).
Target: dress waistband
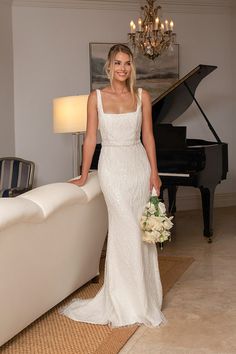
(120,144)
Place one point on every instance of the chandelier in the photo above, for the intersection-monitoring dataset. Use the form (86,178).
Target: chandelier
(152,36)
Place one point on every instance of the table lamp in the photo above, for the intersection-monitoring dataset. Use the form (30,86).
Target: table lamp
(70,116)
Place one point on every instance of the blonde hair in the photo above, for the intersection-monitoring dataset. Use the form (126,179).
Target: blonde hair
(131,81)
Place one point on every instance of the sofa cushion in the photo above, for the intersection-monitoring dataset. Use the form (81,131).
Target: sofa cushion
(15,210)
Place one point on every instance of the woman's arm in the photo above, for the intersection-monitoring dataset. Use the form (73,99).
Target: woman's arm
(149,142)
(90,138)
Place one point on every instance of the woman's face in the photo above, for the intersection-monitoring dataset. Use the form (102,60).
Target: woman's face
(121,67)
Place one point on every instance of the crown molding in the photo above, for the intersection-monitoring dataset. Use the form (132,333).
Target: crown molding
(194,6)
(81,4)
(173,6)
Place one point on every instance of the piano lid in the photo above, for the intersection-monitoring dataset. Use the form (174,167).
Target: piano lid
(174,102)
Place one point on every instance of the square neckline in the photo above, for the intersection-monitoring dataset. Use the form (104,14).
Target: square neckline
(131,112)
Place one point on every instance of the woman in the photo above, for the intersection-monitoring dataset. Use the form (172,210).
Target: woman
(127,172)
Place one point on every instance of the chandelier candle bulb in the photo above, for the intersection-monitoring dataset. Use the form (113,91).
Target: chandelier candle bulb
(140,24)
(156,23)
(162,27)
(167,25)
(171,25)
(131,26)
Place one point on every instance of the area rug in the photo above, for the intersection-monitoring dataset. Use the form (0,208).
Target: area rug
(56,334)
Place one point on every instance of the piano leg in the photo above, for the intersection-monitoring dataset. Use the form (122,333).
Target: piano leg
(161,193)
(172,190)
(207,208)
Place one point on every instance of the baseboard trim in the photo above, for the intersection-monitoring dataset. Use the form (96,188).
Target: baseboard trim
(190,202)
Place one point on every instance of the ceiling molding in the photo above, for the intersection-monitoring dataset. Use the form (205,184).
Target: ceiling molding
(194,6)
(174,6)
(81,4)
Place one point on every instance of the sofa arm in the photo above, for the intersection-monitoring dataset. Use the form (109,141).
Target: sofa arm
(92,186)
(53,196)
(18,210)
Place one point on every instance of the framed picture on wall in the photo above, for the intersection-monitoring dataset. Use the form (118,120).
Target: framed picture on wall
(155,76)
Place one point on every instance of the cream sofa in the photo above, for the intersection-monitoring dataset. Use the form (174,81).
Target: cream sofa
(51,240)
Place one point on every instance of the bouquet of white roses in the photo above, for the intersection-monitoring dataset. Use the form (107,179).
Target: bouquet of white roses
(154,222)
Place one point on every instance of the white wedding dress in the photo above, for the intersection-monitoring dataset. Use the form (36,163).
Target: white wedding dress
(132,291)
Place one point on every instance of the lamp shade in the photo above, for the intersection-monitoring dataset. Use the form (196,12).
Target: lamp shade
(70,114)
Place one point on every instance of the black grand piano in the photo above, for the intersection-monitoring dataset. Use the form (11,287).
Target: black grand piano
(188,162)
(181,161)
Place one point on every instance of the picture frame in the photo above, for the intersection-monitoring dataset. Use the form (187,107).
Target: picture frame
(155,76)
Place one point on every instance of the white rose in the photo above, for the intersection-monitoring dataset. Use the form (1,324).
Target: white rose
(159,223)
(148,237)
(162,208)
(151,222)
(157,235)
(143,222)
(167,224)
(145,213)
(166,235)
(152,208)
(158,226)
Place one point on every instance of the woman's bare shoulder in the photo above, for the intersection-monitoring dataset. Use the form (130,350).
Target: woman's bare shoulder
(92,99)
(145,93)
(146,98)
(93,94)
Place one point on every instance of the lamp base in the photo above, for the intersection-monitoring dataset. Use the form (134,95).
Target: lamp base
(77,141)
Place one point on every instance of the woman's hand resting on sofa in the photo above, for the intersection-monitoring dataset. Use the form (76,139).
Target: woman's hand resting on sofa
(79,181)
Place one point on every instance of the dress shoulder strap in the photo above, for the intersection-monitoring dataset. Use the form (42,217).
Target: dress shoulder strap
(140,90)
(99,99)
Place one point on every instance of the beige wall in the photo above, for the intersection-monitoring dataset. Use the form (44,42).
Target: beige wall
(51,59)
(7,144)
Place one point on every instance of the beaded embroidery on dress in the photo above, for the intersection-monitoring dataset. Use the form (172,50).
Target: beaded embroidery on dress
(132,291)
